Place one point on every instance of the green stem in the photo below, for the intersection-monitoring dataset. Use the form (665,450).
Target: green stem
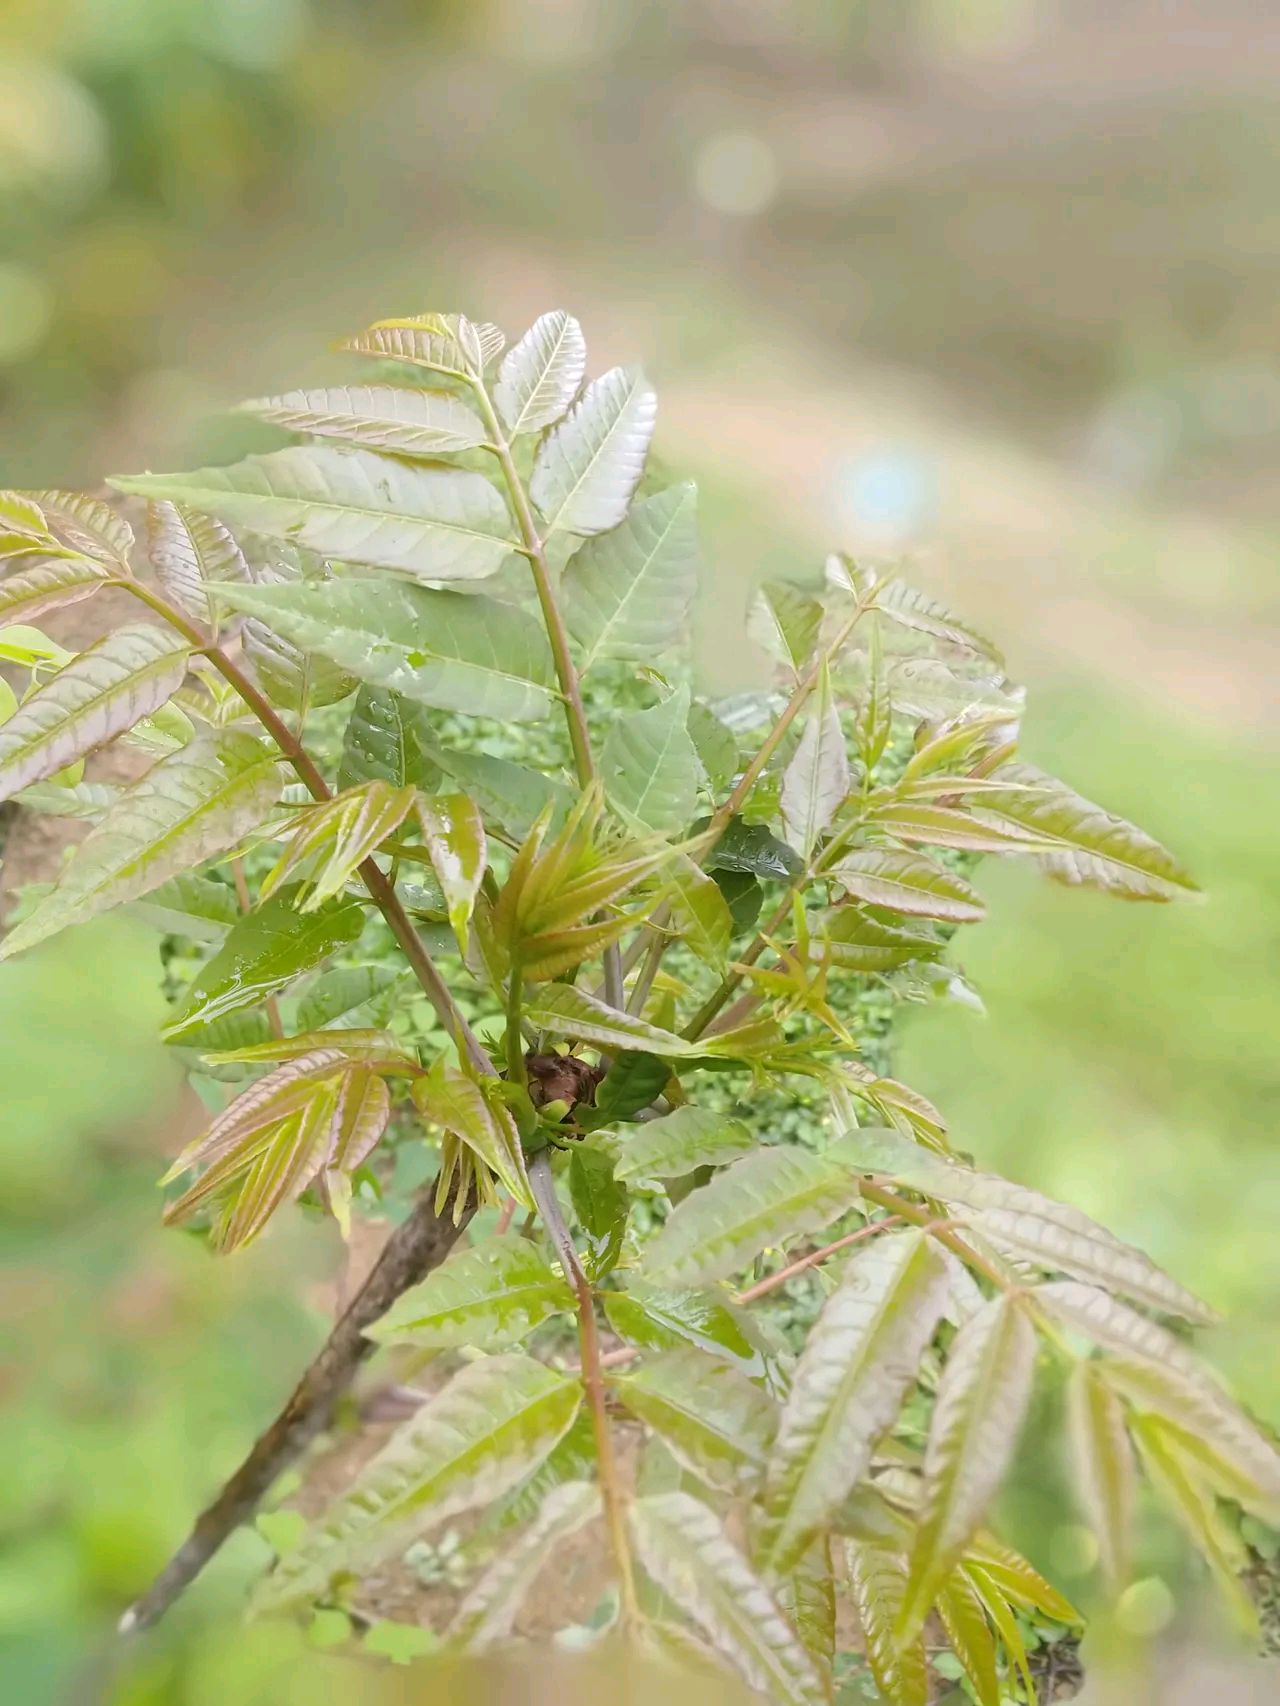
(515,1038)
(382,892)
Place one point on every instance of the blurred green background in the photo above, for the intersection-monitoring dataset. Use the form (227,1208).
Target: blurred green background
(989,281)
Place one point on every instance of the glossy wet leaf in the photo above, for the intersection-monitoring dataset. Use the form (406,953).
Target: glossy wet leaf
(628,592)
(860,1360)
(540,374)
(263,953)
(355,506)
(104,691)
(490,1426)
(345,993)
(489,1296)
(757,1203)
(683,1547)
(751,848)
(386,740)
(715,1420)
(188,808)
(445,649)
(590,464)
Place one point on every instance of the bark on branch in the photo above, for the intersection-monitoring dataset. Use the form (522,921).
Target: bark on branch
(417,1246)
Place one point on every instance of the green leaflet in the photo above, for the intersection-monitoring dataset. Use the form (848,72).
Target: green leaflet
(650,768)
(715,745)
(601,1205)
(489,1296)
(511,796)
(540,374)
(447,343)
(759,1201)
(752,849)
(489,1609)
(701,910)
(188,551)
(190,905)
(965,1620)
(494,1423)
(404,419)
(264,952)
(437,523)
(354,994)
(688,1554)
(627,593)
(854,941)
(674,1145)
(1103,1464)
(878,1579)
(87,524)
(633,1082)
(907,882)
(105,690)
(446,649)
(716,1421)
(859,1362)
(590,464)
(785,622)
(817,779)
(911,609)
(195,804)
(332,840)
(982,1398)
(386,740)
(658,1319)
(457,1103)
(569,1012)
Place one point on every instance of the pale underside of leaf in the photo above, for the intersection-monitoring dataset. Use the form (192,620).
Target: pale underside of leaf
(540,374)
(569,1012)
(406,420)
(488,1428)
(47,586)
(685,1550)
(190,807)
(861,1358)
(589,466)
(99,694)
(436,523)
